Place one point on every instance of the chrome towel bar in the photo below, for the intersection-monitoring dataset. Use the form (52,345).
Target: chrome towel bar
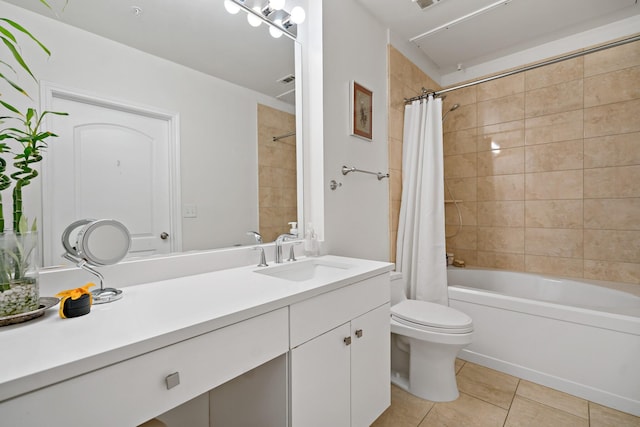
(380,175)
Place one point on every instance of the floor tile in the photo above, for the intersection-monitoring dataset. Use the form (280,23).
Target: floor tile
(602,416)
(486,384)
(527,413)
(459,364)
(406,410)
(466,411)
(555,399)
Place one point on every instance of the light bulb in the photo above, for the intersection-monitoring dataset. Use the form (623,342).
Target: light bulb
(298,15)
(276,4)
(231,7)
(276,33)
(253,20)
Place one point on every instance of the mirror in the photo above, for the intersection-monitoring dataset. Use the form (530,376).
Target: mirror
(225,82)
(96,243)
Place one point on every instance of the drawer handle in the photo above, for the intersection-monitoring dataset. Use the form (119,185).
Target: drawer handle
(347,341)
(359,333)
(172,380)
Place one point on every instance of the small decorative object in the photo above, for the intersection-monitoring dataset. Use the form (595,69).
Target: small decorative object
(75,302)
(19,292)
(362,111)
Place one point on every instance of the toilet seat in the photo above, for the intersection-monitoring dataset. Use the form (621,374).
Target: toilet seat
(432,317)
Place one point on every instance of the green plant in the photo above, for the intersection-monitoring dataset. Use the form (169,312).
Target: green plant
(18,277)
(25,128)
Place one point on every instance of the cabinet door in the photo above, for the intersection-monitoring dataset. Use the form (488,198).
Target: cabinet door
(320,394)
(370,366)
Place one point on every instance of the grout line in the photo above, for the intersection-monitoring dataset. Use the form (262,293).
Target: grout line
(556,409)
(511,404)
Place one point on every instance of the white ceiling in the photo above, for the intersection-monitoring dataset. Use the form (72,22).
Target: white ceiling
(512,26)
(202,35)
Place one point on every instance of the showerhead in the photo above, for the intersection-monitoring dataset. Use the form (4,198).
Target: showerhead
(453,107)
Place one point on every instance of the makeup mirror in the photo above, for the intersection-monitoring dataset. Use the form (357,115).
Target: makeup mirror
(92,243)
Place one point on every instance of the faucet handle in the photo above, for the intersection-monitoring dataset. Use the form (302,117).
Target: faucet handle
(292,253)
(263,259)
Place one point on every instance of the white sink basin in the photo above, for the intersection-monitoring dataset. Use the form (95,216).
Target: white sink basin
(299,271)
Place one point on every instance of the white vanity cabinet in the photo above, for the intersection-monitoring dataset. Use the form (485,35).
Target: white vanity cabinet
(135,390)
(340,356)
(252,349)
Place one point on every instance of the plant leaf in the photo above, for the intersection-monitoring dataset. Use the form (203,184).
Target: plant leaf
(8,34)
(17,56)
(10,107)
(24,30)
(14,85)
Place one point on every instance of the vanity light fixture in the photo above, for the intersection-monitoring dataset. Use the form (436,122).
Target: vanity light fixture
(273,13)
(254,19)
(231,7)
(274,31)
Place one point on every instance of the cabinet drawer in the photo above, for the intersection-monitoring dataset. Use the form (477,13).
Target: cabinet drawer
(319,314)
(130,392)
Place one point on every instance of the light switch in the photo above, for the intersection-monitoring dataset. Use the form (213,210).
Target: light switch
(189,211)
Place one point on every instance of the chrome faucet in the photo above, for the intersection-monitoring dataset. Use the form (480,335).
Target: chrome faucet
(256,236)
(282,238)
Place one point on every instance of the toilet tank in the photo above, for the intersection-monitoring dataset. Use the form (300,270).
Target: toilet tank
(398,292)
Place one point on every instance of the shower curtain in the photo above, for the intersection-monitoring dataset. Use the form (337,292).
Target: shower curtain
(421,249)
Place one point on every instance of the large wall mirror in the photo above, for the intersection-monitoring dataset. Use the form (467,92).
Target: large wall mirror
(217,89)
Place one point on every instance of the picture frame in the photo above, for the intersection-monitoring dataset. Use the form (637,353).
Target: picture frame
(361,111)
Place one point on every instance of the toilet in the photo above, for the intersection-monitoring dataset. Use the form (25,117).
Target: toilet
(425,340)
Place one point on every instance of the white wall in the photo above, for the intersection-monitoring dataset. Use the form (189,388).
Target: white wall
(356,214)
(218,120)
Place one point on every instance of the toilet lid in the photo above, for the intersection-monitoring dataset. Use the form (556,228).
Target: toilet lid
(431,314)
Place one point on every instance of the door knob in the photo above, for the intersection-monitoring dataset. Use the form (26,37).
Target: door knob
(359,333)
(164,235)
(347,341)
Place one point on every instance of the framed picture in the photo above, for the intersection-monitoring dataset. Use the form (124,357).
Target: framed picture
(361,111)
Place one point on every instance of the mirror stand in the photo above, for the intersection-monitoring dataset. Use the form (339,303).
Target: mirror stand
(102,295)
(98,242)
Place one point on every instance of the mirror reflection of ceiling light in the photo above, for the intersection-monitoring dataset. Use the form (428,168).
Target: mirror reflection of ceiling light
(254,20)
(275,32)
(231,7)
(280,21)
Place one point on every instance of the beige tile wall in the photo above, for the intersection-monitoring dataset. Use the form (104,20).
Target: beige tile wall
(548,165)
(277,183)
(406,80)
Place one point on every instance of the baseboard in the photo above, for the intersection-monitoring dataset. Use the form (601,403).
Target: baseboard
(580,390)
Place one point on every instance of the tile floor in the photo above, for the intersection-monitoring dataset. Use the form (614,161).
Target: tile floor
(491,398)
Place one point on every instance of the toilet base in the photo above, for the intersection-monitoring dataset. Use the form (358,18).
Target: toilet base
(432,372)
(427,370)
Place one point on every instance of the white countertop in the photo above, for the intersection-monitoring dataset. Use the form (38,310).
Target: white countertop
(49,349)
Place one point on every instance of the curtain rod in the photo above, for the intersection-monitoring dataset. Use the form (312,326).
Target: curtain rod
(527,68)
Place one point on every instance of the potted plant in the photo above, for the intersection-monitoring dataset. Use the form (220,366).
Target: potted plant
(23,141)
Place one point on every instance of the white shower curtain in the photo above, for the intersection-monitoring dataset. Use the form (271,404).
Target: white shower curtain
(421,249)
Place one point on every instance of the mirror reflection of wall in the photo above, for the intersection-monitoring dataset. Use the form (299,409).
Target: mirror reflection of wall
(218,124)
(277,187)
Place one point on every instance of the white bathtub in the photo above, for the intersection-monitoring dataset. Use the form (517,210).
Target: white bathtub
(573,336)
